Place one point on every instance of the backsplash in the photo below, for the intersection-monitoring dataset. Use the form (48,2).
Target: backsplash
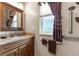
(6,34)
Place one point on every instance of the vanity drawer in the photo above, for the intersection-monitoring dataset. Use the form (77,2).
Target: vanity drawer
(13,52)
(12,45)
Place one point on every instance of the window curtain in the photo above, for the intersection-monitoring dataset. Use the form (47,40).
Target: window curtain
(56,11)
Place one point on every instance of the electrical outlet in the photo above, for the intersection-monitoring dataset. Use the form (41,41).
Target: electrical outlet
(33,29)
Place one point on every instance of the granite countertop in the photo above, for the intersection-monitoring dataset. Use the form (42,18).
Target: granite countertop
(14,39)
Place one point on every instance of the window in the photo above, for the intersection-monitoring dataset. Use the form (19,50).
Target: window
(46,20)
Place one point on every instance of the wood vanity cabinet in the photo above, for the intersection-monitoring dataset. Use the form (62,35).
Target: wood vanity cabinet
(18,49)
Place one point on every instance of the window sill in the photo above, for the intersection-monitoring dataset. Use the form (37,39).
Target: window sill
(46,34)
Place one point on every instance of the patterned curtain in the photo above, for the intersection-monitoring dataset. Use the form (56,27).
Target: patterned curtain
(56,10)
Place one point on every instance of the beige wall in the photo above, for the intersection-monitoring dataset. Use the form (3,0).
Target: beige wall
(66,19)
(32,22)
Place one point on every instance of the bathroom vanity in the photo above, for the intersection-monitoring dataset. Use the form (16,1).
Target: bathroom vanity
(17,46)
(11,19)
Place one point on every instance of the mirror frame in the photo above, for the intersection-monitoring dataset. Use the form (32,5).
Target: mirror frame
(18,10)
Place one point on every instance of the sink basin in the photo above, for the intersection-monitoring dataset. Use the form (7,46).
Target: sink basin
(3,37)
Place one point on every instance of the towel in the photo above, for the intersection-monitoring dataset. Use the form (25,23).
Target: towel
(44,41)
(52,46)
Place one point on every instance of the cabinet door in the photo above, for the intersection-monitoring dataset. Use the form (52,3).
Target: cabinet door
(22,50)
(27,49)
(31,45)
(11,53)
(30,49)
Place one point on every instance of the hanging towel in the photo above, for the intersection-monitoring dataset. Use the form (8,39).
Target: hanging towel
(44,41)
(52,46)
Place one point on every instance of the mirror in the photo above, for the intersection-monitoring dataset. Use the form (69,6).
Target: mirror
(12,19)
